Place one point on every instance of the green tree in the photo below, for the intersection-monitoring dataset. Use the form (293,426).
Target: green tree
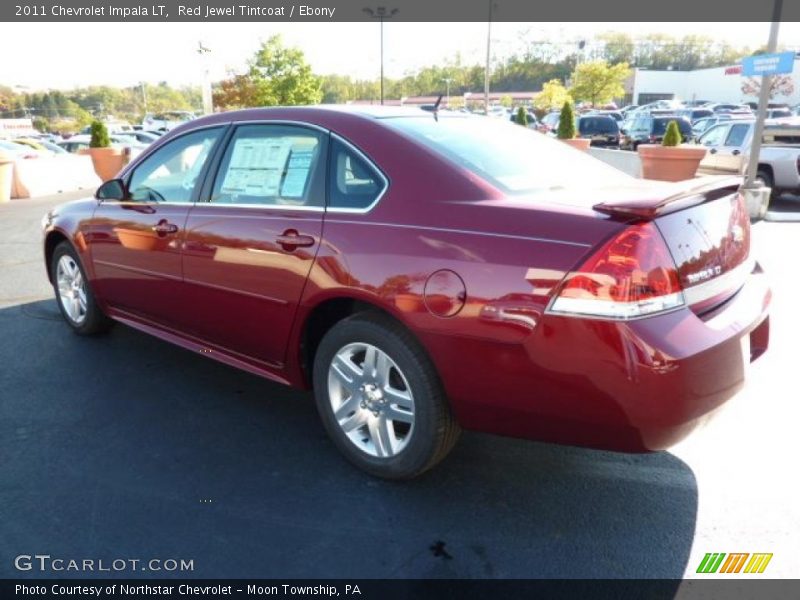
(566,122)
(599,83)
(553,95)
(282,77)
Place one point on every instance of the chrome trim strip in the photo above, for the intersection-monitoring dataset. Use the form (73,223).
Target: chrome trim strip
(316,209)
(734,278)
(114,265)
(466,231)
(609,310)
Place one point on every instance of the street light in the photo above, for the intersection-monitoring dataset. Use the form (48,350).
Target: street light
(203,52)
(488,58)
(447,81)
(382,13)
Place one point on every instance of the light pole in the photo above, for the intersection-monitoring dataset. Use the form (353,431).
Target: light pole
(208,104)
(447,81)
(144,97)
(488,59)
(763,100)
(382,13)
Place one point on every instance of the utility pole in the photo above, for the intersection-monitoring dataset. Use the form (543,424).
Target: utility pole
(488,59)
(144,96)
(382,13)
(208,101)
(763,100)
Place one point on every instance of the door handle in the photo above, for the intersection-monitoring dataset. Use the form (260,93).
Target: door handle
(164,227)
(736,152)
(291,240)
(712,151)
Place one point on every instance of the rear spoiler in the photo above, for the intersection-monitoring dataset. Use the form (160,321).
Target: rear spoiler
(672,197)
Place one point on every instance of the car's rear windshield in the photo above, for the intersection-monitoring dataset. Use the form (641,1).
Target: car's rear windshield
(598,124)
(660,126)
(515,159)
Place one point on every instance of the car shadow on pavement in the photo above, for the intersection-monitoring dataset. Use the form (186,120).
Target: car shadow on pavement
(123,446)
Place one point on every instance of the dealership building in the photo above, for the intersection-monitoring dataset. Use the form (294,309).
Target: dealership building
(719,84)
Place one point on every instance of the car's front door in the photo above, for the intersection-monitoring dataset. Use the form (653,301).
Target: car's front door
(250,245)
(712,139)
(729,154)
(135,244)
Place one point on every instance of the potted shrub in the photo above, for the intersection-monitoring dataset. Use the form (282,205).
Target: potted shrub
(522,116)
(566,129)
(671,160)
(107,161)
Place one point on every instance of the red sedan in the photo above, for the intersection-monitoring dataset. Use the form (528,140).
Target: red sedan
(424,273)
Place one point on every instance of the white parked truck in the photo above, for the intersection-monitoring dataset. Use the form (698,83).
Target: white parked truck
(729,153)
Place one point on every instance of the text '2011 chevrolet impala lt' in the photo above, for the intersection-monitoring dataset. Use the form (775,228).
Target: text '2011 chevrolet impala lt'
(424,273)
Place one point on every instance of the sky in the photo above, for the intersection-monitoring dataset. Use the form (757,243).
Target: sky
(66,55)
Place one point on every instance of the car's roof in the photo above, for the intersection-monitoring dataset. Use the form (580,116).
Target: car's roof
(374,111)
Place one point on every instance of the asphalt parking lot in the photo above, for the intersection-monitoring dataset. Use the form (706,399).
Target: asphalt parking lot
(124,446)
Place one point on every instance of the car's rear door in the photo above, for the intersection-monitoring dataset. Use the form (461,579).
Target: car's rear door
(713,139)
(250,244)
(135,244)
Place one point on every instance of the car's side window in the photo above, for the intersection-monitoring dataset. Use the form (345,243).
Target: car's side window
(714,136)
(271,165)
(170,173)
(737,134)
(353,182)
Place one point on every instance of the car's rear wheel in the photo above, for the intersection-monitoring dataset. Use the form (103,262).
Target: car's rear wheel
(380,398)
(74,296)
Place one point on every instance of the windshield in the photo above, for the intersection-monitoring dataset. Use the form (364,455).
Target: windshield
(660,126)
(514,159)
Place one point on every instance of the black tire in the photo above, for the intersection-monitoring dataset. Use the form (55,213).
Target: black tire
(93,321)
(766,177)
(435,430)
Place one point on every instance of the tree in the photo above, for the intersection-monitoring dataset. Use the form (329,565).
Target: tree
(780,85)
(100,137)
(599,83)
(282,77)
(552,96)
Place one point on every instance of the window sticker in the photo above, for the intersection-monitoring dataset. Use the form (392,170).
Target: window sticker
(297,171)
(256,166)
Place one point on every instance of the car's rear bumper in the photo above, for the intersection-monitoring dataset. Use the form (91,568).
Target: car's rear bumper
(629,386)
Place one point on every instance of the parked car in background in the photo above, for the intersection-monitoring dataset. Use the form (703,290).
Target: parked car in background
(649,129)
(534,291)
(779,113)
(549,122)
(140,136)
(602,130)
(78,143)
(18,151)
(166,120)
(729,153)
(614,114)
(628,108)
(703,125)
(727,108)
(42,146)
(695,114)
(533,122)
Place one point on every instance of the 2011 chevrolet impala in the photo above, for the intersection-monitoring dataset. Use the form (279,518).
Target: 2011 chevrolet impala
(424,273)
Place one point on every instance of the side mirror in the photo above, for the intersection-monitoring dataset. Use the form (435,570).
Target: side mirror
(113,189)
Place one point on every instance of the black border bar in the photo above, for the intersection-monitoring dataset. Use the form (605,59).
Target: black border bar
(406,10)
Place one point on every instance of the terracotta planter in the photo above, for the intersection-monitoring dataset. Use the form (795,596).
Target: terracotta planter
(670,163)
(579,143)
(107,161)
(6,176)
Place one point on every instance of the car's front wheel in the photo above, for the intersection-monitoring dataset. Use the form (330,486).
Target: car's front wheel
(74,296)
(380,398)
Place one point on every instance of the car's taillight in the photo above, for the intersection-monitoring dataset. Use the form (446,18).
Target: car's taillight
(633,275)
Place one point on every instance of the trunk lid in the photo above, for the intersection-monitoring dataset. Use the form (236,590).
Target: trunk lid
(706,227)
